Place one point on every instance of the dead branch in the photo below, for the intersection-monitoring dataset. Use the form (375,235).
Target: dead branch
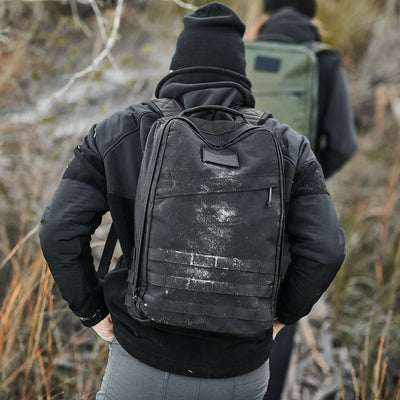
(102,29)
(379,375)
(19,245)
(183,4)
(387,212)
(312,343)
(74,9)
(99,19)
(3,37)
(86,2)
(386,94)
(111,40)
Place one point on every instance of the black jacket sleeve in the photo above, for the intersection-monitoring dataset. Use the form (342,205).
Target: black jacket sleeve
(337,136)
(317,242)
(66,228)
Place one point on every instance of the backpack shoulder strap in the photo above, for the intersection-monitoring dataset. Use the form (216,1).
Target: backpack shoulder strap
(167,107)
(254,116)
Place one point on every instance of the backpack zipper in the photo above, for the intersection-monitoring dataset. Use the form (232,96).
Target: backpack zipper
(269,203)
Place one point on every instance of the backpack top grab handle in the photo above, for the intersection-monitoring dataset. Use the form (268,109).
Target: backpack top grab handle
(275,37)
(228,110)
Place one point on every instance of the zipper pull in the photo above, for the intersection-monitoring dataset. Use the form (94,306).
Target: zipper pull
(269,204)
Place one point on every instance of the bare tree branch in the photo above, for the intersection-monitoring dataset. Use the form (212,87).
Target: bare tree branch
(19,245)
(102,29)
(183,4)
(3,37)
(74,9)
(99,18)
(86,2)
(111,40)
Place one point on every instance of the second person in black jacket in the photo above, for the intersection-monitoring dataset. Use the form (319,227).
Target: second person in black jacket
(336,141)
(336,133)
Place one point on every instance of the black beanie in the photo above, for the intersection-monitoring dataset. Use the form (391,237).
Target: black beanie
(211,37)
(307,7)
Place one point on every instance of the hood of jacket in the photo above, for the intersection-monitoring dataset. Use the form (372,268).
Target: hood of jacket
(198,86)
(292,24)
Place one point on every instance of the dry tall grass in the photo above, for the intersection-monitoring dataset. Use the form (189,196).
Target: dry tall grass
(39,348)
(366,293)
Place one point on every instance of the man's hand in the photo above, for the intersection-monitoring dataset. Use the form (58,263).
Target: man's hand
(105,329)
(276,327)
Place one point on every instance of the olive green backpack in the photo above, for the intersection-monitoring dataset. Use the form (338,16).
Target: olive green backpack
(285,81)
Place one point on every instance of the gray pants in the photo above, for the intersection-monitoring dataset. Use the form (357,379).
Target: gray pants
(128,379)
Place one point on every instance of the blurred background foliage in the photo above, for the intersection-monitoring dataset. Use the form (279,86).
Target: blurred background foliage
(44,351)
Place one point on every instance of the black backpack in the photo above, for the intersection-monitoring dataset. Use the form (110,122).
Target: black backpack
(208,224)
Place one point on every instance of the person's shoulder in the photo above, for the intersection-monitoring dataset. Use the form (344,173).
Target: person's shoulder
(121,123)
(327,55)
(125,120)
(295,147)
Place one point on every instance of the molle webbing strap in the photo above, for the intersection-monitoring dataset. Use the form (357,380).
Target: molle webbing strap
(212,310)
(206,285)
(211,270)
(205,261)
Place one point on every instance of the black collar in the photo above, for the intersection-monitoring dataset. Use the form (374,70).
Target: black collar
(206,85)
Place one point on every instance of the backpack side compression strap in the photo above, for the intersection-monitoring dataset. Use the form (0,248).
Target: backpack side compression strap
(108,252)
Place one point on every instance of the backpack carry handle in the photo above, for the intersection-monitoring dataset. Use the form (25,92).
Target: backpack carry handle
(275,37)
(228,110)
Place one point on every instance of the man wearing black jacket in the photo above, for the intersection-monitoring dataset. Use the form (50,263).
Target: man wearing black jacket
(336,141)
(146,362)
